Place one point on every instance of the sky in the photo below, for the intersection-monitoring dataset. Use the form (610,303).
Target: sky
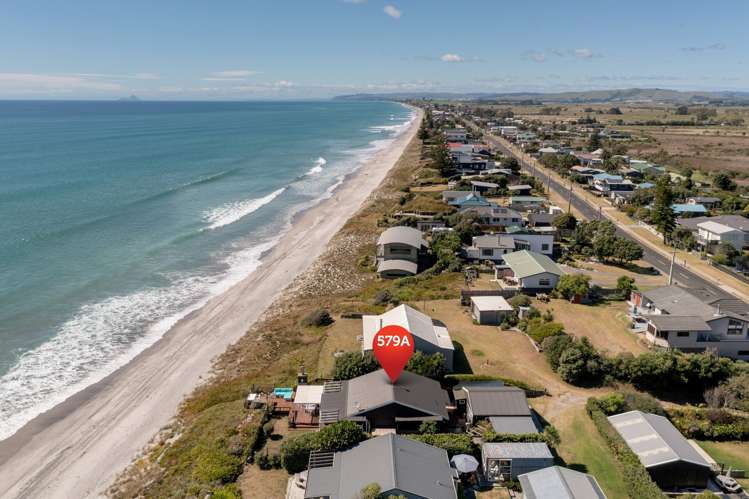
(300,49)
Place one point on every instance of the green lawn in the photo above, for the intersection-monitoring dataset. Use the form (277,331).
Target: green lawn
(583,449)
(733,454)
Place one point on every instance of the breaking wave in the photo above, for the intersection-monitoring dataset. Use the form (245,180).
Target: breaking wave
(237,210)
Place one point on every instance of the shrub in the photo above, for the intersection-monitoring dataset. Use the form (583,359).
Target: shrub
(612,404)
(338,436)
(383,297)
(371,491)
(540,330)
(230,491)
(492,436)
(553,346)
(519,300)
(710,424)
(428,427)
(352,364)
(267,461)
(457,378)
(318,318)
(453,443)
(268,429)
(732,393)
(431,366)
(572,285)
(580,363)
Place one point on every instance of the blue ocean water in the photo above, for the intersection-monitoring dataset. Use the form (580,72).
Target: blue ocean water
(118,217)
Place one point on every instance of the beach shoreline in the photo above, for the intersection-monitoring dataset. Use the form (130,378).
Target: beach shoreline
(77,448)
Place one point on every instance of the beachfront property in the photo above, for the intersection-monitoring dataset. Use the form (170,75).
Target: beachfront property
(399,250)
(505,407)
(430,225)
(377,404)
(482,187)
(528,271)
(450,197)
(456,135)
(489,310)
(494,247)
(672,460)
(466,163)
(520,189)
(430,336)
(401,467)
(505,461)
(495,216)
(470,200)
(674,317)
(557,482)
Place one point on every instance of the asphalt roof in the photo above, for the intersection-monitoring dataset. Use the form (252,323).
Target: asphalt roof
(527,263)
(497,401)
(556,482)
(516,450)
(391,461)
(402,235)
(417,323)
(666,322)
(516,425)
(678,301)
(654,439)
(716,228)
(734,221)
(360,395)
(494,241)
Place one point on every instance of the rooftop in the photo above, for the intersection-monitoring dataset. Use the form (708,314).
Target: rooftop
(556,482)
(527,263)
(417,323)
(395,264)
(716,228)
(516,450)
(490,303)
(733,221)
(402,235)
(497,401)
(654,439)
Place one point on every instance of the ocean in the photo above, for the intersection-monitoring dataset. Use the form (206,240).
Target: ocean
(119,218)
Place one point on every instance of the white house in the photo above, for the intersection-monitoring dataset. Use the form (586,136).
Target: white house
(398,252)
(496,216)
(529,271)
(711,234)
(429,336)
(456,134)
(493,247)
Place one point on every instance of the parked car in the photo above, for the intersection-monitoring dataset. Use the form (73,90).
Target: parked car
(728,484)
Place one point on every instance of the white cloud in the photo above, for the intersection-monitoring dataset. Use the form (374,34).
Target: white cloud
(714,46)
(451,58)
(19,83)
(354,1)
(584,53)
(234,73)
(103,76)
(535,56)
(392,11)
(284,84)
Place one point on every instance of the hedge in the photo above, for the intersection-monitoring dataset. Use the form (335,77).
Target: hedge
(458,378)
(338,436)
(453,443)
(636,478)
(710,424)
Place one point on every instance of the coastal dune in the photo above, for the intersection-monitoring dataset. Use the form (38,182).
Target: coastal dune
(76,449)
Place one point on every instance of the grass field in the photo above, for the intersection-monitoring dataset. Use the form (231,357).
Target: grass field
(733,454)
(583,449)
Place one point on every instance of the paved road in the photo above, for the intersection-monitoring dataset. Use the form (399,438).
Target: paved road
(682,275)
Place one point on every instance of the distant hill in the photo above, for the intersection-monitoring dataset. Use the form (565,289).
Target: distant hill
(590,96)
(132,98)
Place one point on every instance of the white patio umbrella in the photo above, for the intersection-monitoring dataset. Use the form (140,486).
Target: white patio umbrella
(464,463)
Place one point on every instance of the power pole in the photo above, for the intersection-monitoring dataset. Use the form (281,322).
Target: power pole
(569,200)
(671,268)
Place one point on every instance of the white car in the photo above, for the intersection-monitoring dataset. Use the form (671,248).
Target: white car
(728,484)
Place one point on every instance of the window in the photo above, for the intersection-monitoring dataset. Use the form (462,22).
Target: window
(544,282)
(544,247)
(742,353)
(735,327)
(661,334)
(487,252)
(522,245)
(682,334)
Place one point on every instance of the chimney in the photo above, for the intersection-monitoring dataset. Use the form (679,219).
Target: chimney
(717,310)
(301,377)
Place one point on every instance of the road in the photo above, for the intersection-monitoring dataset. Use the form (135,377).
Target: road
(681,275)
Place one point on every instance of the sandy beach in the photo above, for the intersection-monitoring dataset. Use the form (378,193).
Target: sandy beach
(76,449)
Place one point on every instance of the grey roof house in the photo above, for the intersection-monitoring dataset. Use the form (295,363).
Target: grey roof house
(400,466)
(398,252)
(506,407)
(429,336)
(505,461)
(529,271)
(556,482)
(669,457)
(376,403)
(677,318)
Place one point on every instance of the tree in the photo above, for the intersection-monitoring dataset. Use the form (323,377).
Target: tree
(442,160)
(431,366)
(338,436)
(626,251)
(625,285)
(353,364)
(445,247)
(723,182)
(681,111)
(371,491)
(511,163)
(604,245)
(594,142)
(662,213)
(580,364)
(565,223)
(428,428)
(519,300)
(615,110)
(572,285)
(553,346)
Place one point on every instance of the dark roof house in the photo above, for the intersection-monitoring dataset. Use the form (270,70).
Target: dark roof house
(400,466)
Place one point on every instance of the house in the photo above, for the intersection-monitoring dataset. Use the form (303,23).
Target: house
(529,271)
(708,202)
(670,458)
(620,198)
(400,466)
(493,247)
(526,203)
(734,221)
(429,225)
(585,172)
(676,318)
(604,183)
(547,151)
(473,163)
(505,461)
(646,168)
(506,407)
(398,252)
(374,402)
(645,185)
(588,159)
(496,216)
(525,137)
(456,135)
(489,309)
(541,219)
(509,132)
(520,190)
(305,410)
(470,200)
(451,196)
(481,187)
(688,209)
(556,482)
(711,234)
(429,336)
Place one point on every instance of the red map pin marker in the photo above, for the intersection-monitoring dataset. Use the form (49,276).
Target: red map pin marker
(393,346)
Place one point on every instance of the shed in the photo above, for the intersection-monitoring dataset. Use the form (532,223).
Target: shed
(489,309)
(669,457)
(557,482)
(504,461)
(308,395)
